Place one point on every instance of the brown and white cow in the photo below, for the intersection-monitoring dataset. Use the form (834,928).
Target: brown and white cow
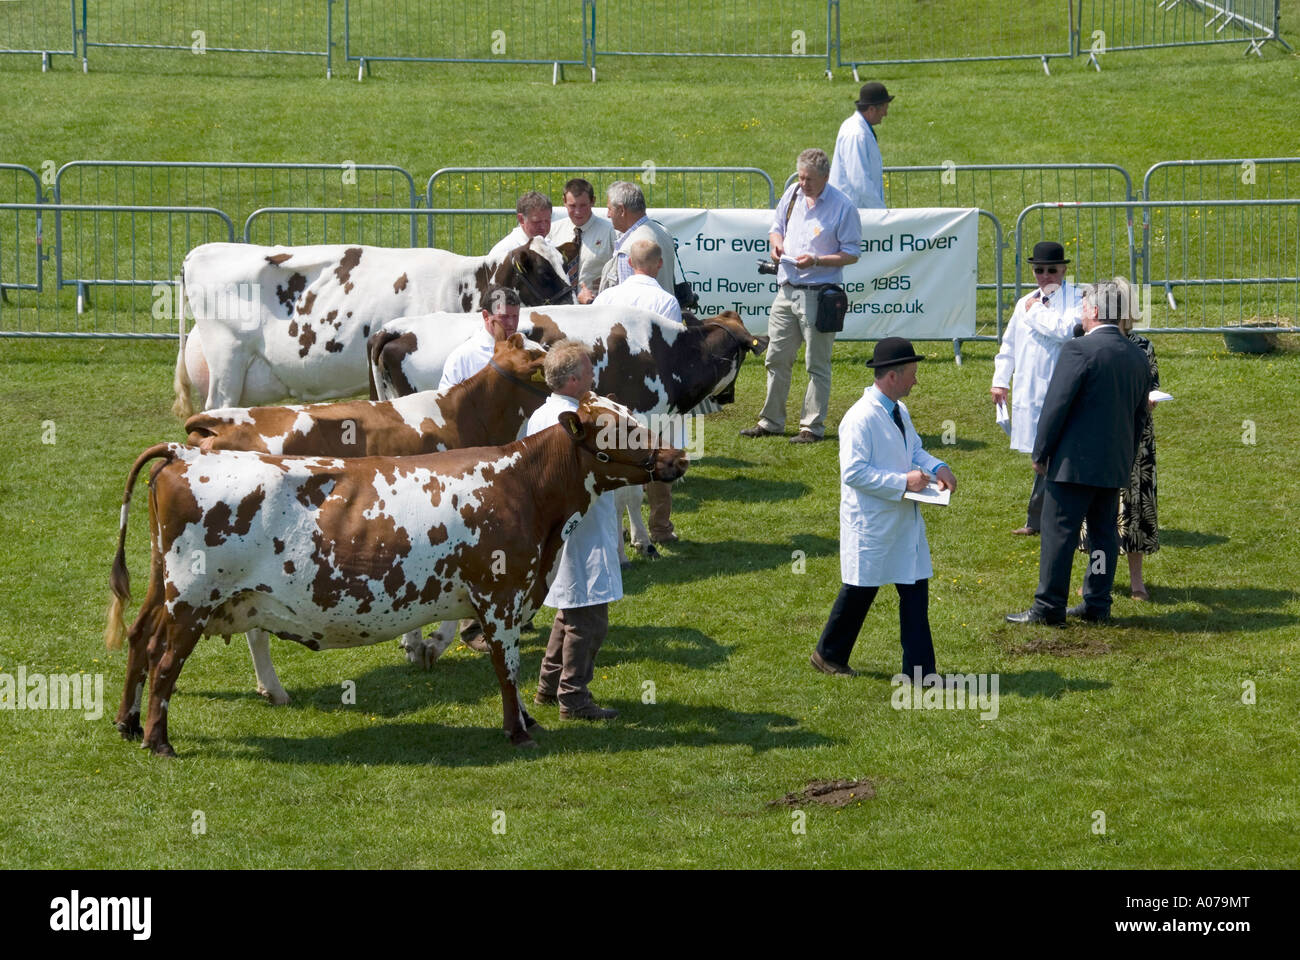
(273,323)
(650,363)
(343,553)
(488,409)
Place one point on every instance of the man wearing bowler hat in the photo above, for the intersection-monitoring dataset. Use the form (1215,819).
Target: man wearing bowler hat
(882,535)
(1041,323)
(856,168)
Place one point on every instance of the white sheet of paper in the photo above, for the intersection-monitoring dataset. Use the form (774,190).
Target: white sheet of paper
(931,494)
(1003,418)
(1159,396)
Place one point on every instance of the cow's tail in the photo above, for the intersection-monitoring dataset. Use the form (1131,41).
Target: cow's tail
(374,355)
(183,406)
(119,580)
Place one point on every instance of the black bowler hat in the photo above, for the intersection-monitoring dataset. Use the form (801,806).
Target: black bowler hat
(871,94)
(892,351)
(1048,251)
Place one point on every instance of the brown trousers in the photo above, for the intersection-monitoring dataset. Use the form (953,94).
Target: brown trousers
(570,660)
(660,496)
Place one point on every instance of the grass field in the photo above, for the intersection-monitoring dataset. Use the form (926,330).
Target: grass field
(1143,720)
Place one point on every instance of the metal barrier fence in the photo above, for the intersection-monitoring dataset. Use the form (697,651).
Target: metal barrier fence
(199,27)
(377,226)
(896,31)
(1248,251)
(26,238)
(708,187)
(236,188)
(557,32)
(134,251)
(44,27)
(1110,25)
(797,29)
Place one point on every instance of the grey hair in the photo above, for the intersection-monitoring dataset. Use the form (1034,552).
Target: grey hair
(627,195)
(644,253)
(816,160)
(532,200)
(1110,299)
(564,360)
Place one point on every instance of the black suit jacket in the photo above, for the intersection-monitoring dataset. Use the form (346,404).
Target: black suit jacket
(1094,411)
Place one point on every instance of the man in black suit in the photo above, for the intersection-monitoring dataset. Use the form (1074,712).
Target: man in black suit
(1092,417)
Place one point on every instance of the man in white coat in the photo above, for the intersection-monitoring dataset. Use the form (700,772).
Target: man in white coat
(857,169)
(587,575)
(595,237)
(627,212)
(499,324)
(533,216)
(882,535)
(1041,323)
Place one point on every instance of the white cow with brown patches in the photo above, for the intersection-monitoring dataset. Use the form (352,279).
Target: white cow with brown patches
(274,323)
(347,552)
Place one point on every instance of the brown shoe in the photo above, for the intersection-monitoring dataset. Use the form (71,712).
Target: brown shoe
(759,431)
(544,699)
(588,711)
(805,436)
(834,669)
(1025,532)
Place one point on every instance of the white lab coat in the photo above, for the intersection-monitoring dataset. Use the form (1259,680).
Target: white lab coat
(882,536)
(597,246)
(641,291)
(587,570)
(511,241)
(468,359)
(1030,346)
(856,167)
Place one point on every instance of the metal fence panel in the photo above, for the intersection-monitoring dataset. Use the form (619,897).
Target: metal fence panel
(45,27)
(280,27)
(903,31)
(1265,178)
(374,226)
(715,28)
(1213,263)
(237,188)
(492,31)
(704,187)
(1109,25)
(21,238)
(133,253)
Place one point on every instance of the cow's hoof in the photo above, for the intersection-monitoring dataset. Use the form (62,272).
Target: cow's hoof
(163,749)
(277,698)
(529,744)
(650,550)
(130,728)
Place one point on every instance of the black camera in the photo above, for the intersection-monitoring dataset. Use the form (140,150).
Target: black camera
(767,266)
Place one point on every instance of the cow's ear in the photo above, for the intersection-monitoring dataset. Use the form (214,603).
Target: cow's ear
(516,340)
(572,424)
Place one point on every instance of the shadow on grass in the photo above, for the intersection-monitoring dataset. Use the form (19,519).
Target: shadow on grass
(1027,683)
(1223,610)
(640,728)
(691,492)
(732,462)
(1189,538)
(933,442)
(689,562)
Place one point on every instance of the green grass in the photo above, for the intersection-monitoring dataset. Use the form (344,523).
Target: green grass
(1152,731)
(1149,728)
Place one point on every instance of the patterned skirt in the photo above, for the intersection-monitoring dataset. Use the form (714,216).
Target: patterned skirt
(1138,530)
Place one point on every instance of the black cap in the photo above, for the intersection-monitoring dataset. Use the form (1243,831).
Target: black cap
(871,94)
(1048,251)
(892,351)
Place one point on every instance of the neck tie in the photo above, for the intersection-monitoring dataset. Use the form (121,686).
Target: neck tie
(898,419)
(577,256)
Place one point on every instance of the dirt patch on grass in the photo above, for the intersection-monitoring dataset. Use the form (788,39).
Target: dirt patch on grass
(1058,647)
(831,793)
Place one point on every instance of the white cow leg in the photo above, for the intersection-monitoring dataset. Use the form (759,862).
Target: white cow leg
(425,652)
(630,498)
(268,684)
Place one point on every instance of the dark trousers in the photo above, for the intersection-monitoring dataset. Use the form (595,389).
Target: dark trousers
(1065,506)
(850,610)
(1034,517)
(570,660)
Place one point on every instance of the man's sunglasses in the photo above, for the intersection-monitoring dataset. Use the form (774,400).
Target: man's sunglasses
(1055,269)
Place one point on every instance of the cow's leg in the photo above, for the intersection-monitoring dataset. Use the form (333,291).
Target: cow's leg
(426,651)
(137,663)
(503,642)
(168,651)
(630,498)
(227,365)
(268,684)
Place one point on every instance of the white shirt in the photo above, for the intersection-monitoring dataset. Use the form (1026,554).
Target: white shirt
(831,225)
(641,291)
(1030,347)
(856,167)
(468,359)
(617,269)
(882,536)
(515,238)
(587,570)
(597,246)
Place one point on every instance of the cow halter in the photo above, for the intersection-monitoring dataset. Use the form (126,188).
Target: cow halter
(537,294)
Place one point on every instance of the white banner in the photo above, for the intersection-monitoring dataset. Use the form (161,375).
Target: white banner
(915,277)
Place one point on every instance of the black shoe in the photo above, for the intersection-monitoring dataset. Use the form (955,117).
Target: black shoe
(759,432)
(805,436)
(1082,612)
(1033,616)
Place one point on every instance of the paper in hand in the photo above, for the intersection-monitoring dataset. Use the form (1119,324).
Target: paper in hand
(1003,418)
(1159,396)
(931,494)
